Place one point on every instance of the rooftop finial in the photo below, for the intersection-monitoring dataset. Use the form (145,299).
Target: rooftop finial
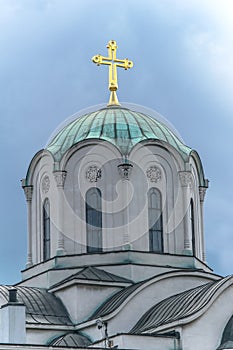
(113,63)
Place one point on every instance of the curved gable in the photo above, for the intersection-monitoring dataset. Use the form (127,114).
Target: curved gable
(179,307)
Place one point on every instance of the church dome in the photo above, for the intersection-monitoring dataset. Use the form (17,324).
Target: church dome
(120,126)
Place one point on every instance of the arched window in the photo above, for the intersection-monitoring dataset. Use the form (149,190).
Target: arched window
(46,230)
(155,221)
(192,225)
(94,220)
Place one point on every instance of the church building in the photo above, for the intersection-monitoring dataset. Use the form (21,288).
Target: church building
(116,248)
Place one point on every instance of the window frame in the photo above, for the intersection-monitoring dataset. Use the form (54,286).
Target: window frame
(46,230)
(155,228)
(94,236)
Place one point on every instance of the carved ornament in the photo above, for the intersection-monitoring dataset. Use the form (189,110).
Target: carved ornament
(28,190)
(202,192)
(93,174)
(59,176)
(154,174)
(45,184)
(186,178)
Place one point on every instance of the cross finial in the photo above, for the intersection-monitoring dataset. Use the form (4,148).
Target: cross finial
(113,63)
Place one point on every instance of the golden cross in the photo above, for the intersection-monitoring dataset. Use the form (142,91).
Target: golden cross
(113,63)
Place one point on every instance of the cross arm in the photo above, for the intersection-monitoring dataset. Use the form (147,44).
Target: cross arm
(98,59)
(126,64)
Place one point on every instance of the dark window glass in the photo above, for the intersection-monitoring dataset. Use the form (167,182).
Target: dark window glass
(155,221)
(94,220)
(46,229)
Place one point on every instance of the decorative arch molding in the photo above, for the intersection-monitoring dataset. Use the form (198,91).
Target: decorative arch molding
(203,182)
(33,164)
(198,194)
(81,164)
(87,143)
(170,163)
(165,146)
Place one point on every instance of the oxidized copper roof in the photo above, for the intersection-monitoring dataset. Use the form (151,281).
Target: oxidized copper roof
(122,127)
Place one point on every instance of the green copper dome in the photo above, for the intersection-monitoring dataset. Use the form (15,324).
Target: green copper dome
(122,127)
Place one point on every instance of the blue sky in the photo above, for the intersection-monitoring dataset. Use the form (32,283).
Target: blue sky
(182,52)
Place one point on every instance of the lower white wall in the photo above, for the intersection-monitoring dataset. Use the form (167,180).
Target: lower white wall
(13,324)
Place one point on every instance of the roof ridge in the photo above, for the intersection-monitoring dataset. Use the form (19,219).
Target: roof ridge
(95,274)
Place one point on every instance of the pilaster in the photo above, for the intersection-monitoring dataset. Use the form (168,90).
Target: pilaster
(186,181)
(28,191)
(60,176)
(202,193)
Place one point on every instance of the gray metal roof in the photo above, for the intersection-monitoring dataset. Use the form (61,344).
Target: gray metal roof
(71,339)
(42,307)
(227,337)
(177,307)
(115,301)
(94,274)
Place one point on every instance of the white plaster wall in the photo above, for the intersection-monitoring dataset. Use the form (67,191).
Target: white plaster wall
(43,336)
(124,203)
(13,324)
(77,185)
(81,300)
(169,163)
(124,341)
(205,332)
(44,167)
(151,295)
